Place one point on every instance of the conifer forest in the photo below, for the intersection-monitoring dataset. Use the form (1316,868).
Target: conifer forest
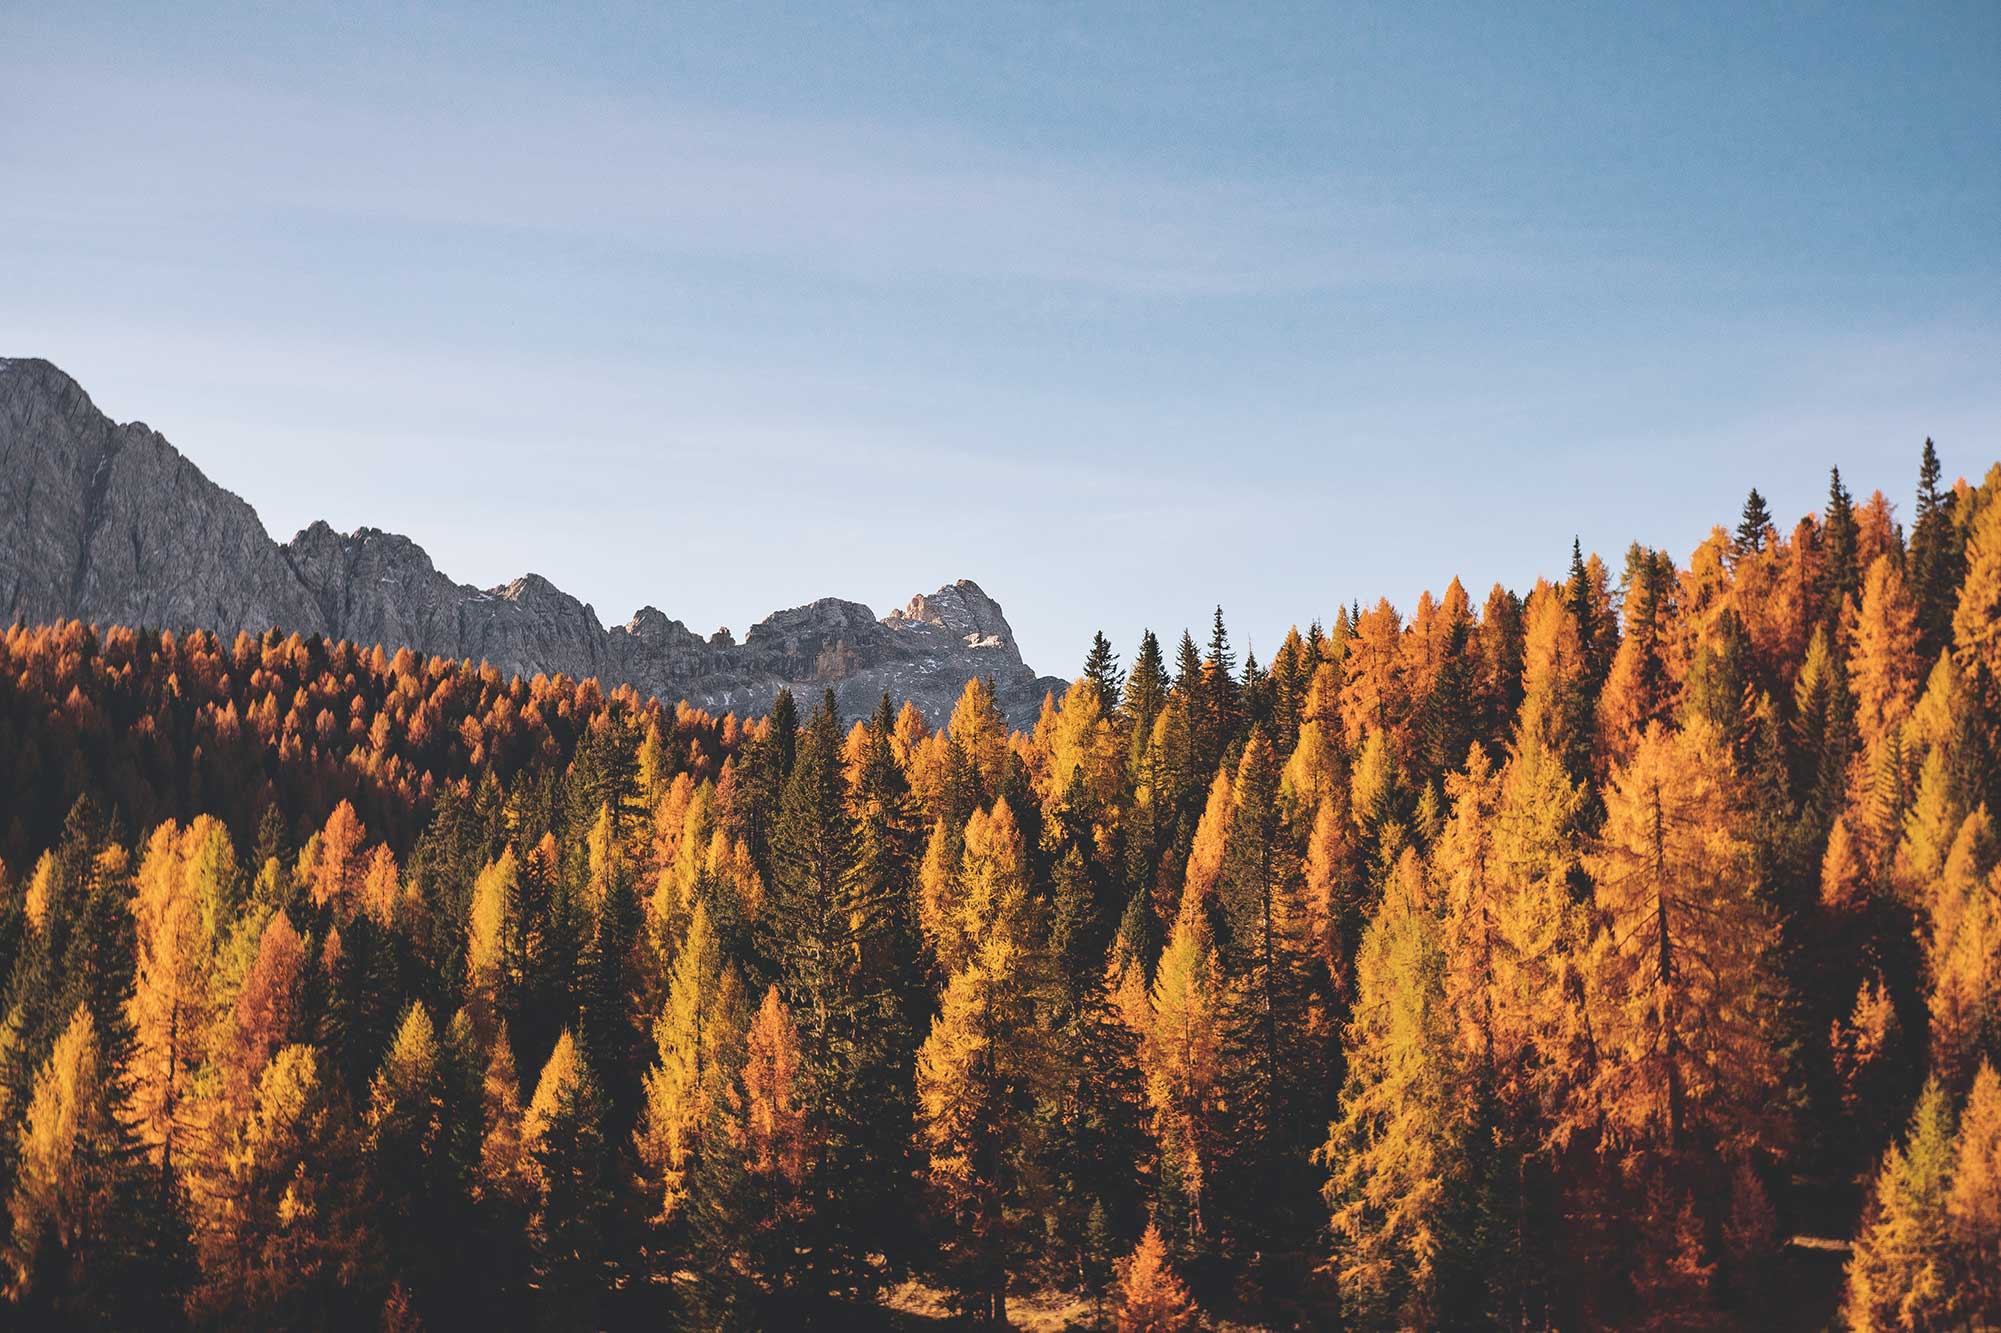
(1622,951)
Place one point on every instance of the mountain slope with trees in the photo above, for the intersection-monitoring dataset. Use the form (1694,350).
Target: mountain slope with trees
(1609,955)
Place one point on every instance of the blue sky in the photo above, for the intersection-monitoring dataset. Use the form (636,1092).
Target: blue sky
(1120,311)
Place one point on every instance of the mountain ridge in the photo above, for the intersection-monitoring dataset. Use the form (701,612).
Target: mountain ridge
(110,522)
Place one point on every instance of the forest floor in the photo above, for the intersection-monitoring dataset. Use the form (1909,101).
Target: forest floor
(1805,1282)
(916,1306)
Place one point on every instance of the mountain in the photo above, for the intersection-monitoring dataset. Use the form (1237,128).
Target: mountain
(109,523)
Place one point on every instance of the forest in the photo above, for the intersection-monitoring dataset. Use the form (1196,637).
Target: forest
(1621,953)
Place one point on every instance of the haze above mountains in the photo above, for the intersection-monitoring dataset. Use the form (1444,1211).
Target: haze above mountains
(110,523)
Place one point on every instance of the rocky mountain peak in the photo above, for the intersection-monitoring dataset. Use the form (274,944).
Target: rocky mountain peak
(966,611)
(109,523)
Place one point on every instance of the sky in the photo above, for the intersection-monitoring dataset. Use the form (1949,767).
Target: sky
(1120,311)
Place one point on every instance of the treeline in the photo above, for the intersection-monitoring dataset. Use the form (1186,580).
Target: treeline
(1550,962)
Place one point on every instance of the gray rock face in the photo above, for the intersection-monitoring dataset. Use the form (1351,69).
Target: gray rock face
(109,523)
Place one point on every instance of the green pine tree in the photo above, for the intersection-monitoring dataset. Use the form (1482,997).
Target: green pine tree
(1101,666)
(1840,551)
(1753,529)
(1937,559)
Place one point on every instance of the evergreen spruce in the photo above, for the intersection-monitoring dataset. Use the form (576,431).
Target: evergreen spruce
(1101,667)
(1937,559)
(1754,526)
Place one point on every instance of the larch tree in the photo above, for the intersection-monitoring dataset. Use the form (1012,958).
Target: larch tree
(1181,1058)
(1332,893)
(1976,618)
(1152,1298)
(1396,1155)
(978,730)
(493,935)
(1315,771)
(171,1006)
(1867,1048)
(1680,997)
(332,862)
(1511,936)
(1637,690)
(1086,769)
(1511,929)
(1899,1273)
(1212,839)
(1883,662)
(266,1014)
(70,1254)
(1555,689)
(941,894)
(980,1076)
(697,1038)
(505,1185)
(1373,696)
(283,1244)
(1965,992)
(1973,1204)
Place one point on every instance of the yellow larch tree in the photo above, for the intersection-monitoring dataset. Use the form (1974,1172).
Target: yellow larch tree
(1152,1299)
(505,1180)
(1086,764)
(67,1159)
(979,731)
(940,895)
(172,1008)
(1511,930)
(331,863)
(1677,982)
(265,1013)
(1976,620)
(1899,1275)
(1181,1060)
(1965,997)
(1883,667)
(696,1039)
(1395,1156)
(1973,1205)
(1553,676)
(281,1242)
(491,933)
(983,1069)
(381,887)
(773,1134)
(1373,691)
(1212,837)
(1331,897)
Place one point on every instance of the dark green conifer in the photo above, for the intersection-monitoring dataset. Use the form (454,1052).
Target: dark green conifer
(1937,559)
(1754,527)
(1101,666)
(1839,547)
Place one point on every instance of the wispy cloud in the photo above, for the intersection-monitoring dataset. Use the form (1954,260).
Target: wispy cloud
(858,200)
